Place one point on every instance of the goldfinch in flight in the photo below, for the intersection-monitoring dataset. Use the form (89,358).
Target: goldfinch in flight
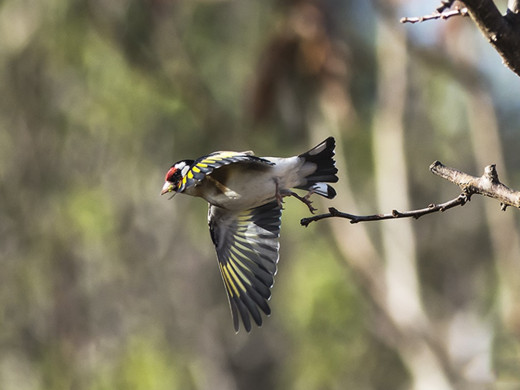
(245,194)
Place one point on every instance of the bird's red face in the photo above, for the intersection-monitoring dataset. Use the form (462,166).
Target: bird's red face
(173,179)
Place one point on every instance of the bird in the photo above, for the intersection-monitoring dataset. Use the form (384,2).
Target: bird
(245,196)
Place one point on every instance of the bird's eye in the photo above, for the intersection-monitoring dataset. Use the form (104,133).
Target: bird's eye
(173,175)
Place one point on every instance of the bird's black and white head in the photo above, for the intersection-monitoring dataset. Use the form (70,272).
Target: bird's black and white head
(174,176)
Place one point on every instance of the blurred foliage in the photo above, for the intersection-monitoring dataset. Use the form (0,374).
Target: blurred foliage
(106,285)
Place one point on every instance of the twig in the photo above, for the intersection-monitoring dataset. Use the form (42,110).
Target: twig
(488,185)
(445,5)
(436,15)
(432,208)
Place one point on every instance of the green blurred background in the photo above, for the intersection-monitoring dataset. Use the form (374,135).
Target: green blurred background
(106,285)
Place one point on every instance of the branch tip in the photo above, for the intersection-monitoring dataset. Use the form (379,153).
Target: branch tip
(434,165)
(491,173)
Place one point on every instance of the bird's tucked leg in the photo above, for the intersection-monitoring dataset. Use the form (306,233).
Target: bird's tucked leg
(305,199)
(279,194)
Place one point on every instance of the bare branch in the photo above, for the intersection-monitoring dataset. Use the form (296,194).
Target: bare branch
(487,185)
(501,31)
(436,15)
(432,208)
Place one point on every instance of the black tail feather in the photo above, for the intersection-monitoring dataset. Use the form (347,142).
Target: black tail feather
(323,156)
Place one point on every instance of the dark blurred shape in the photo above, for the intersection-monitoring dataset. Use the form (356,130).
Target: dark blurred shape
(302,56)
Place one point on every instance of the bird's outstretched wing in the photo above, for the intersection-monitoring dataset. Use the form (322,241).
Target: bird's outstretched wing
(207,164)
(247,251)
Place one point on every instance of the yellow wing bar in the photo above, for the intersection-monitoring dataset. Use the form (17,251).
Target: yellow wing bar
(206,165)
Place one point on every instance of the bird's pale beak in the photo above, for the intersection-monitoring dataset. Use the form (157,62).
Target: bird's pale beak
(167,187)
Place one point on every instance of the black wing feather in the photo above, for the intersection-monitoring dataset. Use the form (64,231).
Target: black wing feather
(247,250)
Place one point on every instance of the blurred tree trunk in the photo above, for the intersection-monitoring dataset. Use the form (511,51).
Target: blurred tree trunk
(404,303)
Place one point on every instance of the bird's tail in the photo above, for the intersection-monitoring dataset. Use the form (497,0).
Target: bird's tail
(322,156)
